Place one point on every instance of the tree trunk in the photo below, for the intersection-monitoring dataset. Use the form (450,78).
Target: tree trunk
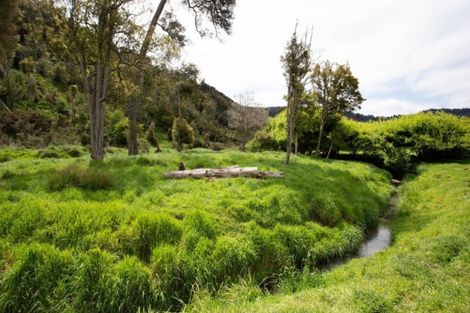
(289,142)
(296,144)
(228,172)
(290,129)
(5,106)
(320,134)
(329,151)
(135,100)
(132,111)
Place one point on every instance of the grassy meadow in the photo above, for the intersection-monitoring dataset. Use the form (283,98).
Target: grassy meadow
(116,236)
(426,269)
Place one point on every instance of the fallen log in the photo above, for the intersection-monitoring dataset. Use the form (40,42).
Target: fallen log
(227,172)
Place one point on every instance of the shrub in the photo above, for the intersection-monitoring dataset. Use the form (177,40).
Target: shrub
(92,178)
(182,133)
(217,146)
(143,144)
(262,141)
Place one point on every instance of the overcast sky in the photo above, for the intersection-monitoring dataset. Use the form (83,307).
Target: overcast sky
(408,55)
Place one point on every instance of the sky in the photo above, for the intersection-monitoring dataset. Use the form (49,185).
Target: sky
(408,55)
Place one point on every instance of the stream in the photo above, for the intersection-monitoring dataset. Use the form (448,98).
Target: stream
(381,238)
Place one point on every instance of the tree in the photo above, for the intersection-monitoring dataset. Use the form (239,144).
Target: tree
(181,133)
(336,90)
(220,14)
(91,30)
(7,30)
(296,63)
(246,119)
(7,36)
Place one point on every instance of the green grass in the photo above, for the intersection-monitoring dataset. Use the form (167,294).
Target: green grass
(116,236)
(427,269)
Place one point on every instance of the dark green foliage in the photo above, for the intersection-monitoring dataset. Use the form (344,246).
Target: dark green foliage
(263,141)
(182,133)
(93,178)
(8,33)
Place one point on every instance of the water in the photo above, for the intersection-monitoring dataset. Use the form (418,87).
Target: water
(382,237)
(377,242)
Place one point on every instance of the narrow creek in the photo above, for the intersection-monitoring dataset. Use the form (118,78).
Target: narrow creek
(381,238)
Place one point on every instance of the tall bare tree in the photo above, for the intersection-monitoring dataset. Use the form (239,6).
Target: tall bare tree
(219,13)
(336,90)
(245,118)
(296,62)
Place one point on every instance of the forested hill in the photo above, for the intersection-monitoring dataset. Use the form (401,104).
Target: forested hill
(41,89)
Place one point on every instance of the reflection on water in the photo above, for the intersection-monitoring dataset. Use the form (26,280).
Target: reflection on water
(378,242)
(382,238)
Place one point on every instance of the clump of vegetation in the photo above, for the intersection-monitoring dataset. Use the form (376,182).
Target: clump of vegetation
(93,178)
(60,152)
(182,133)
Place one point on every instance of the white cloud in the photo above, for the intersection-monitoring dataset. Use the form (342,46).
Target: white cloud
(389,107)
(408,55)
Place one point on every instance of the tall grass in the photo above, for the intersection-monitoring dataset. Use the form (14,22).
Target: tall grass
(117,236)
(425,270)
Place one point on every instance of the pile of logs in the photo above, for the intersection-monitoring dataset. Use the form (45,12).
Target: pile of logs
(226,172)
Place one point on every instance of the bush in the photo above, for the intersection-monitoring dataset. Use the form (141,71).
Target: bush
(92,178)
(262,141)
(182,133)
(217,146)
